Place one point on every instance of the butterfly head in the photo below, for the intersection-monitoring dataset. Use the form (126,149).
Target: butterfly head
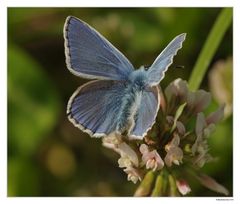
(138,77)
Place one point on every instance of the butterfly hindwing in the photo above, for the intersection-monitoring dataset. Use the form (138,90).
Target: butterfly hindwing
(90,55)
(95,106)
(147,112)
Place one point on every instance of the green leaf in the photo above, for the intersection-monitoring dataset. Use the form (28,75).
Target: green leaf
(209,49)
(177,115)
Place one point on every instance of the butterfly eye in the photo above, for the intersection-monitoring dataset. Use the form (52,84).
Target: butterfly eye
(146,67)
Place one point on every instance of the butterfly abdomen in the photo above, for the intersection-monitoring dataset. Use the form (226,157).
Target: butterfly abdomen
(129,108)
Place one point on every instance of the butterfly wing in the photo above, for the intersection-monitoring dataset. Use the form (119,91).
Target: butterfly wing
(147,113)
(94,107)
(164,60)
(90,55)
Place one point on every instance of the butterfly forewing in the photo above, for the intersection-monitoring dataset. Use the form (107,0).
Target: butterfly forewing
(164,60)
(90,55)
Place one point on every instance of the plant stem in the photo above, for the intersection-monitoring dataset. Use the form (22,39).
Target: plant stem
(158,188)
(172,186)
(209,49)
(161,184)
(145,186)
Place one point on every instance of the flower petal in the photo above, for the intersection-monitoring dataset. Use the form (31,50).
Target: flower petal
(127,151)
(202,100)
(200,124)
(112,141)
(174,155)
(183,186)
(207,131)
(211,184)
(175,141)
(180,128)
(216,116)
(133,174)
(124,162)
(154,162)
(151,158)
(143,149)
(177,88)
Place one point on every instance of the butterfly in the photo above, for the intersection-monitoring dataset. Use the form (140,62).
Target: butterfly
(121,100)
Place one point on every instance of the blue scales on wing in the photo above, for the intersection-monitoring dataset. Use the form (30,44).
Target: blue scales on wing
(90,55)
(94,107)
(157,70)
(147,112)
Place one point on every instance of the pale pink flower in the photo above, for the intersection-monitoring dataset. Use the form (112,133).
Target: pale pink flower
(204,127)
(133,174)
(112,141)
(179,125)
(174,153)
(198,101)
(151,159)
(128,155)
(216,116)
(211,184)
(183,187)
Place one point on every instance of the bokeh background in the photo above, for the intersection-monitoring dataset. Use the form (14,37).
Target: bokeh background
(47,156)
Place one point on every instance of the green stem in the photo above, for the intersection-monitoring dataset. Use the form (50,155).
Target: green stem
(172,186)
(158,188)
(145,186)
(161,184)
(209,49)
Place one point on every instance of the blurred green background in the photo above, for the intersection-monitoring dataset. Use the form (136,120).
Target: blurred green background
(47,155)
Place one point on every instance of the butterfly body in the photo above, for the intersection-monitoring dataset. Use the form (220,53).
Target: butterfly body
(136,86)
(139,78)
(122,100)
(130,104)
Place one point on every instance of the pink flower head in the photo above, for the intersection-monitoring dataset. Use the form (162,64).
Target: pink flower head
(151,159)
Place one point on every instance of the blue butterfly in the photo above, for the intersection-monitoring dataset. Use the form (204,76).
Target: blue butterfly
(122,100)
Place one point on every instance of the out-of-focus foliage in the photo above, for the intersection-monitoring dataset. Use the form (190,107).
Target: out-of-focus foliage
(47,156)
(33,108)
(33,102)
(221,83)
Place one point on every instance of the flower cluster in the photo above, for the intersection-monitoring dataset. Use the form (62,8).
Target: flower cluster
(175,148)
(128,160)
